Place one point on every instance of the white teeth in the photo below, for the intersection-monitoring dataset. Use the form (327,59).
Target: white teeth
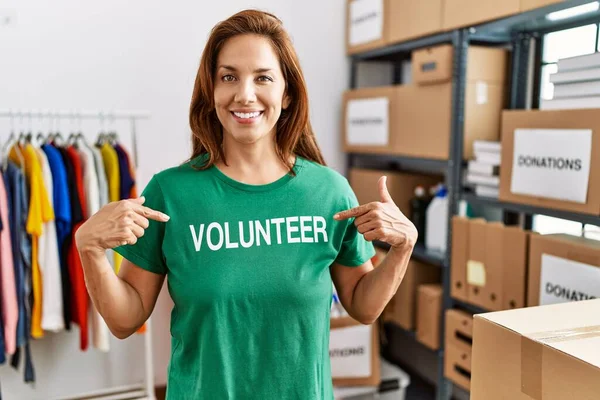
(247,115)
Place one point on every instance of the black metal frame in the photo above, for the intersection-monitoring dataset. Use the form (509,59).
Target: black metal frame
(520,32)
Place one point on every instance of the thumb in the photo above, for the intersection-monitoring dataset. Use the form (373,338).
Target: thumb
(139,200)
(384,195)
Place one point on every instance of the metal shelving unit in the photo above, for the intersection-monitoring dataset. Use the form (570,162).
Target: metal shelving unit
(517,32)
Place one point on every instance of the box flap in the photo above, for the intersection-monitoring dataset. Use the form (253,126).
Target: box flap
(573,328)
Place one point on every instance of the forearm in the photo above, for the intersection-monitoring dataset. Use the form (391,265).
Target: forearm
(116,301)
(376,288)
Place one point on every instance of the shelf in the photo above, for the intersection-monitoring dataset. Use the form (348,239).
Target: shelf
(387,162)
(391,327)
(420,253)
(469,307)
(530,21)
(527,209)
(393,50)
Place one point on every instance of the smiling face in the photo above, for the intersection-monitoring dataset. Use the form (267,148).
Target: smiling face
(249,89)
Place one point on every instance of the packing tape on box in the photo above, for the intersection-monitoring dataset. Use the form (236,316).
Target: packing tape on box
(532,347)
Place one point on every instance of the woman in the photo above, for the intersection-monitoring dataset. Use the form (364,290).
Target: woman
(245,230)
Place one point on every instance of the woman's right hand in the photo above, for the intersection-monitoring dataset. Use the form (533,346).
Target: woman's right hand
(116,224)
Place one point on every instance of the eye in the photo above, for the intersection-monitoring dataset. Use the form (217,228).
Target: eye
(265,78)
(228,78)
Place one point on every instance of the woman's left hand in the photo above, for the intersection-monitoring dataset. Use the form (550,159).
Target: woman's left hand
(382,220)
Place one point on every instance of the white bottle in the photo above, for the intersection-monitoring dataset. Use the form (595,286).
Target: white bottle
(436,231)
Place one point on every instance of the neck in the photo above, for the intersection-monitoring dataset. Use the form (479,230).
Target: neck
(254,163)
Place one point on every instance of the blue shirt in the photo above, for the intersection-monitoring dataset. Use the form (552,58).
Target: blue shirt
(127,181)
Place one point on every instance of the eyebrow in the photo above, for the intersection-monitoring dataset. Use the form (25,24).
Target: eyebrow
(256,71)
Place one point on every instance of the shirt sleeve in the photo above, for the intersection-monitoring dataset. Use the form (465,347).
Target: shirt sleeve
(355,249)
(147,252)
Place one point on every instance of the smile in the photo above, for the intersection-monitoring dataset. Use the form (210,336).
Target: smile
(247,118)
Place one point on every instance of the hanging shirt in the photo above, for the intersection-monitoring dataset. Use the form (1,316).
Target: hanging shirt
(79,295)
(113,177)
(52,302)
(10,307)
(100,331)
(101,173)
(248,271)
(62,213)
(126,182)
(76,162)
(40,211)
(18,210)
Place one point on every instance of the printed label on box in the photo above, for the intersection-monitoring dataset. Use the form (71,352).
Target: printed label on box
(552,163)
(563,280)
(481,88)
(366,21)
(475,273)
(350,351)
(367,121)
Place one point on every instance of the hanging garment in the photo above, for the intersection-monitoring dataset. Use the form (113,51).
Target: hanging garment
(113,177)
(40,211)
(101,173)
(100,331)
(52,302)
(18,210)
(79,299)
(126,182)
(62,213)
(10,307)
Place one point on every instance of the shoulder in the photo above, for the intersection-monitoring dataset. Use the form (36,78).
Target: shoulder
(177,173)
(326,177)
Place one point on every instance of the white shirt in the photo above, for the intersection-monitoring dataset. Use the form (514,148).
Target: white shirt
(49,261)
(94,198)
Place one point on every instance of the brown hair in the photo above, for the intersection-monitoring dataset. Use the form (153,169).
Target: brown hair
(294,131)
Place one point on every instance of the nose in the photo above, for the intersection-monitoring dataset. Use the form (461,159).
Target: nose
(245,93)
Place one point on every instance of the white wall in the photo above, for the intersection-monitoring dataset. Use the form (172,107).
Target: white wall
(110,54)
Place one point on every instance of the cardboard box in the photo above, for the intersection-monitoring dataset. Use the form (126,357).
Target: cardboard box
(458,347)
(354,353)
(489,264)
(527,5)
(401,186)
(459,258)
(435,64)
(403,307)
(410,19)
(563,268)
(588,119)
(429,313)
(366,25)
(463,13)
(418,122)
(541,353)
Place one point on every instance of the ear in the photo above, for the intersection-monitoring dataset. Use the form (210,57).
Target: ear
(286,101)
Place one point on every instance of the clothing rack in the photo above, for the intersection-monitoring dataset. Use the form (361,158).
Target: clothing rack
(144,390)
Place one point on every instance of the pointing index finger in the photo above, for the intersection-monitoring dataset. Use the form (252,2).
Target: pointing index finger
(353,212)
(152,214)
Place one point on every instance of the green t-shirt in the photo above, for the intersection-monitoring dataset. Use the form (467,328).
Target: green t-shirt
(248,270)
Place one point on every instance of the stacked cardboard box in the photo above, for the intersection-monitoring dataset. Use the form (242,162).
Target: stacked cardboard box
(576,84)
(414,120)
(564,172)
(458,347)
(489,263)
(429,313)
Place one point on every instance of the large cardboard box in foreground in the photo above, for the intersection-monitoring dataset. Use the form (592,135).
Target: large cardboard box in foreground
(354,353)
(552,159)
(537,353)
(527,5)
(563,268)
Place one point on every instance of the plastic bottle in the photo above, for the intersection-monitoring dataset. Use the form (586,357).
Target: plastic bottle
(418,212)
(436,231)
